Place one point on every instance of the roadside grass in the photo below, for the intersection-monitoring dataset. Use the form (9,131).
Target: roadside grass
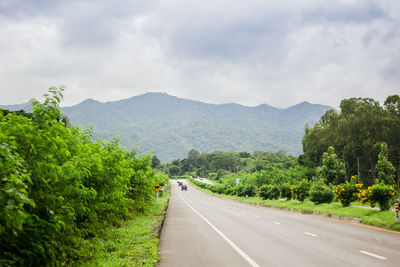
(384,219)
(134,243)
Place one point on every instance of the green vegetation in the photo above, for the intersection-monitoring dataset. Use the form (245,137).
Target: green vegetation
(221,164)
(362,130)
(134,243)
(374,217)
(59,189)
(347,192)
(320,192)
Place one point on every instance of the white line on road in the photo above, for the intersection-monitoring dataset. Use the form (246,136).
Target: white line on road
(278,223)
(373,255)
(258,216)
(310,234)
(233,245)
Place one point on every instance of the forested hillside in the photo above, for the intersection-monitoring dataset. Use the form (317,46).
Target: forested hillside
(171,126)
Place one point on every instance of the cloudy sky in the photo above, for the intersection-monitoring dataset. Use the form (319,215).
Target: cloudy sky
(216,51)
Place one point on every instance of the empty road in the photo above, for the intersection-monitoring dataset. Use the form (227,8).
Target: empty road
(202,230)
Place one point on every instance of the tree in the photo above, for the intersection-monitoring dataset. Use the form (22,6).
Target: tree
(332,170)
(155,162)
(392,105)
(173,170)
(384,167)
(361,124)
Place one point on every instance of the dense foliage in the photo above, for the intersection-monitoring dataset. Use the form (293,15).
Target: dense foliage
(347,192)
(320,192)
(380,193)
(58,187)
(218,164)
(357,133)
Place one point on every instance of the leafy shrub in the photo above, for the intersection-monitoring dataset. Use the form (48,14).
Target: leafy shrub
(269,192)
(57,186)
(286,191)
(219,189)
(380,193)
(321,193)
(230,191)
(347,192)
(247,190)
(301,190)
(385,169)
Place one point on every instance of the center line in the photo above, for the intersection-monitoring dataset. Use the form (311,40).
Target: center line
(310,234)
(278,223)
(233,245)
(373,255)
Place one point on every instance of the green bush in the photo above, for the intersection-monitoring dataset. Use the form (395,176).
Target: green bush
(347,192)
(58,187)
(230,191)
(301,190)
(320,192)
(380,193)
(269,192)
(247,190)
(286,191)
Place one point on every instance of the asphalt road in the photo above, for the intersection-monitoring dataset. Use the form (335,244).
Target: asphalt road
(204,180)
(202,230)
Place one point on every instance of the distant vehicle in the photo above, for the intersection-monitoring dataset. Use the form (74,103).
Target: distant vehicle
(184,187)
(201,179)
(179,183)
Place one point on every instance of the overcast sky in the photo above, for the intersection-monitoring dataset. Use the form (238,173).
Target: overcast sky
(216,51)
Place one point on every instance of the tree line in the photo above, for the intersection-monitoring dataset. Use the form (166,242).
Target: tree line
(59,188)
(218,164)
(356,134)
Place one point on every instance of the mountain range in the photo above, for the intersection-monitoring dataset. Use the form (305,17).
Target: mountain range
(170,126)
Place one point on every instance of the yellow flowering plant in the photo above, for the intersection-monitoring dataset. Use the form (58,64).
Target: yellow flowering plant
(347,192)
(301,190)
(380,193)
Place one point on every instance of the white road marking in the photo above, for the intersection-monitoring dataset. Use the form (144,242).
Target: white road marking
(258,216)
(372,255)
(278,223)
(310,234)
(233,245)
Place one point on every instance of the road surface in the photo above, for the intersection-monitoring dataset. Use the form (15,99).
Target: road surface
(204,180)
(202,230)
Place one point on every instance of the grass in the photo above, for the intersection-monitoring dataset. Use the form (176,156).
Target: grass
(384,219)
(134,243)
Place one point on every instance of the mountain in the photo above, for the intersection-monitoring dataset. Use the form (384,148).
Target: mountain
(170,126)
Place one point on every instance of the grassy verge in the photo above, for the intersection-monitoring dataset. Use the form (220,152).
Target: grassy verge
(384,219)
(134,243)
